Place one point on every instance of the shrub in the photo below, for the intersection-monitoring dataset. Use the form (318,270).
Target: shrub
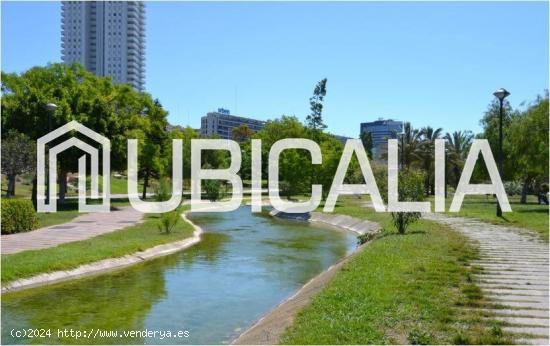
(168,221)
(410,189)
(18,215)
(285,189)
(513,188)
(213,190)
(162,190)
(365,238)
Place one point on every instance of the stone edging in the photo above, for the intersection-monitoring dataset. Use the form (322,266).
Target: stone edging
(345,222)
(108,264)
(269,328)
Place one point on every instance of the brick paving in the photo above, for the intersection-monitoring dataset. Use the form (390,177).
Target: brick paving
(82,227)
(514,276)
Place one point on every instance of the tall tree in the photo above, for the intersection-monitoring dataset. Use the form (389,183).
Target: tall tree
(408,147)
(18,157)
(156,146)
(315,119)
(293,168)
(426,154)
(458,146)
(528,145)
(114,111)
(241,133)
(490,124)
(186,134)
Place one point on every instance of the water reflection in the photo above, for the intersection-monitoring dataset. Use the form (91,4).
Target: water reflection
(118,301)
(244,265)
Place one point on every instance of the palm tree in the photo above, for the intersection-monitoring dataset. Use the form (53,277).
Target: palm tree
(425,151)
(410,145)
(458,145)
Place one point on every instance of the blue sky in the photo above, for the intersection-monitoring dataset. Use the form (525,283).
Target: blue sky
(429,63)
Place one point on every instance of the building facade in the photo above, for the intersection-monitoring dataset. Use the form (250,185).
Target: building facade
(381,130)
(107,37)
(222,123)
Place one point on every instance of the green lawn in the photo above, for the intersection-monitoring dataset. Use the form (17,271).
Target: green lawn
(531,215)
(119,185)
(23,186)
(71,255)
(400,289)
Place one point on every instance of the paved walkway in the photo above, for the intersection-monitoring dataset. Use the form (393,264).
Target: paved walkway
(80,228)
(514,276)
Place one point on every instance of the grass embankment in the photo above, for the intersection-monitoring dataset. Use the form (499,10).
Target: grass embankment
(71,255)
(410,288)
(531,216)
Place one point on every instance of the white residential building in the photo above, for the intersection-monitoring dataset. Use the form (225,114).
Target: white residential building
(222,123)
(107,37)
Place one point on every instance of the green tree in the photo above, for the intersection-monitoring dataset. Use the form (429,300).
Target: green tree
(426,154)
(186,134)
(315,119)
(490,123)
(293,170)
(410,189)
(18,157)
(409,145)
(528,146)
(331,149)
(241,133)
(458,146)
(114,111)
(155,159)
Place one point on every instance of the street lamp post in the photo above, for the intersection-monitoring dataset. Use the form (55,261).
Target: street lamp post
(402,146)
(446,157)
(500,94)
(50,108)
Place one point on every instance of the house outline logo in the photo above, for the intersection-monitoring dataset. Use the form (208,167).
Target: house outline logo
(41,143)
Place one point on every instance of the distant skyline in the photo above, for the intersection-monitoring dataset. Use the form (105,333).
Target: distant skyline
(429,63)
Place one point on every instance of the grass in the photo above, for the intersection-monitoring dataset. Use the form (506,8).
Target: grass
(71,255)
(399,289)
(531,216)
(23,186)
(119,185)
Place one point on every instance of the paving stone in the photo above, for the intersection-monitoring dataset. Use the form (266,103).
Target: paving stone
(542,331)
(82,227)
(518,312)
(511,282)
(522,305)
(498,291)
(514,286)
(534,341)
(518,298)
(527,321)
(514,274)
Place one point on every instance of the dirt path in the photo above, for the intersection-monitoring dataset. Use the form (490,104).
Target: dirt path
(514,276)
(80,228)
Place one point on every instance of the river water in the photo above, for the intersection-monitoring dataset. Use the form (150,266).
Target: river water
(245,265)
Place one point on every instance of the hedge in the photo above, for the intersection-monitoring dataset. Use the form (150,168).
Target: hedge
(18,215)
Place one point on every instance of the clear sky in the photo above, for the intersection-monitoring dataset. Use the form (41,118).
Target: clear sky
(429,63)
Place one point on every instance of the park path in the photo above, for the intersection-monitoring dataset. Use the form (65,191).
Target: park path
(514,276)
(82,227)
